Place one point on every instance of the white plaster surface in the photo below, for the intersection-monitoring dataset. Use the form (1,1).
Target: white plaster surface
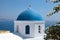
(36,38)
(9,36)
(33,28)
(34,34)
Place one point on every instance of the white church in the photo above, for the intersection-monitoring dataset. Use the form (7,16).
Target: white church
(30,25)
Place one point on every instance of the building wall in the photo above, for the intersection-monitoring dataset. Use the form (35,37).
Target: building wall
(22,26)
(33,28)
(42,29)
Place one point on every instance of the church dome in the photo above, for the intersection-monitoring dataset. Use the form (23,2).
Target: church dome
(29,15)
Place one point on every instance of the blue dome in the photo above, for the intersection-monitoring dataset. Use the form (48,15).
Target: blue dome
(29,15)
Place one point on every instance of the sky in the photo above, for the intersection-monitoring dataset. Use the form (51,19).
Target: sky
(10,9)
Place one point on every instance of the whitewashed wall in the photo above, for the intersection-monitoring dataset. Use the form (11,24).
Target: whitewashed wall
(33,28)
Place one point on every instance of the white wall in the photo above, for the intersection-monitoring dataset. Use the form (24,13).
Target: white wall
(22,28)
(42,29)
(33,27)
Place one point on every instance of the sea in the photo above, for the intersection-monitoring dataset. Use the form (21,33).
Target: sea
(9,24)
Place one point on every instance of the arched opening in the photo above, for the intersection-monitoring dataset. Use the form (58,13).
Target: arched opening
(17,29)
(27,29)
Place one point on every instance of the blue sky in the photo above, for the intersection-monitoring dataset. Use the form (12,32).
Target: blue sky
(10,9)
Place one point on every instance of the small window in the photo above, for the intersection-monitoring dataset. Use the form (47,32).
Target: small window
(39,26)
(27,29)
(39,29)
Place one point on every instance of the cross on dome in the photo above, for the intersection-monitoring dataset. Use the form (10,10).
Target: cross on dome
(29,7)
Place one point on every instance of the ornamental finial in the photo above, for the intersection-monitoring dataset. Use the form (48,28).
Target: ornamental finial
(29,6)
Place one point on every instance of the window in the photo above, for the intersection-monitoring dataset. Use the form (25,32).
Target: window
(39,29)
(27,29)
(17,29)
